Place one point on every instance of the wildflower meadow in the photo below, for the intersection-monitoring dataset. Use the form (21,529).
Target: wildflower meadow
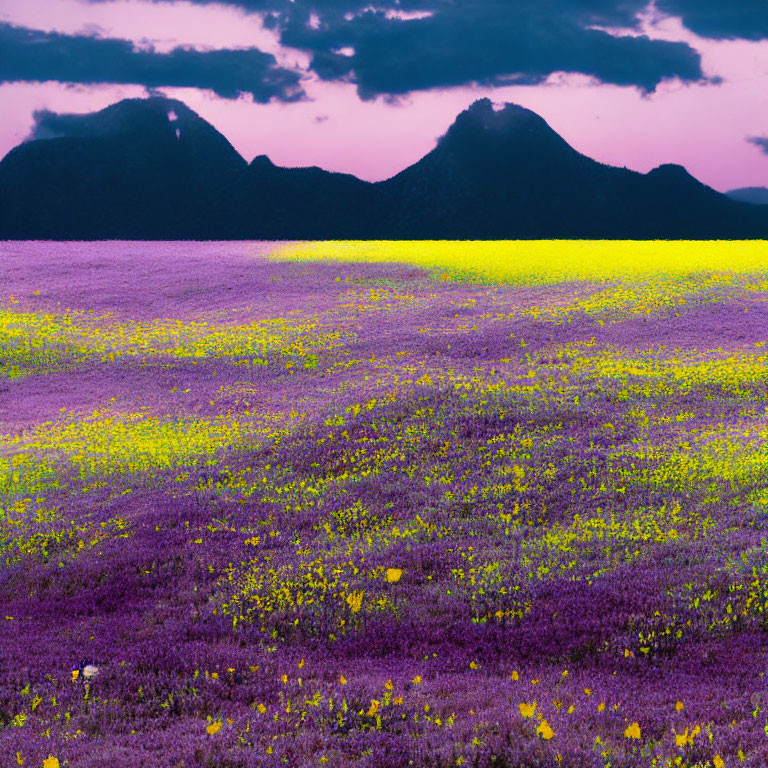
(383,504)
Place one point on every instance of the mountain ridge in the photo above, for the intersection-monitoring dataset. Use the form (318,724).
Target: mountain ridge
(754,195)
(154,169)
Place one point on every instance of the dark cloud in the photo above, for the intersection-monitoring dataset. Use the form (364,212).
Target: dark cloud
(490,42)
(52,125)
(465,41)
(126,116)
(761,142)
(497,41)
(41,56)
(721,19)
(747,19)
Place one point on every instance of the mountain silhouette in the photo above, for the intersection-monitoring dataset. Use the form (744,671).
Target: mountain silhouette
(755,195)
(153,169)
(268,202)
(141,168)
(506,173)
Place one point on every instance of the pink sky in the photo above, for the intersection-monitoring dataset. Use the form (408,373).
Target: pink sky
(703,127)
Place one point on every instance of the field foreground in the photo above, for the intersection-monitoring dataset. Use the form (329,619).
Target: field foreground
(405,504)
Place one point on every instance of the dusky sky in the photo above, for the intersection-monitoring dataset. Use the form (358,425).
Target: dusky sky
(366,88)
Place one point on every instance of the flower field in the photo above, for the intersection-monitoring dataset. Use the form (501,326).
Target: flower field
(384,504)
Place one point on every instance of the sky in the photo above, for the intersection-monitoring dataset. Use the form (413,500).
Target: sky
(367,87)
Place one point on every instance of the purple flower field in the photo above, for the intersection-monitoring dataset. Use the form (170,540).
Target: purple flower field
(261,513)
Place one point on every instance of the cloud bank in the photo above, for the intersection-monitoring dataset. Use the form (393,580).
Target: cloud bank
(407,45)
(30,55)
(492,42)
(400,46)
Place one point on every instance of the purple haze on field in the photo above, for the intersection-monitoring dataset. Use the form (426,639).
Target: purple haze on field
(425,504)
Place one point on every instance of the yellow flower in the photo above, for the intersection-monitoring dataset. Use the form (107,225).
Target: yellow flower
(514,675)
(389,686)
(284,678)
(679,706)
(473,665)
(211,729)
(373,709)
(416,680)
(394,574)
(544,730)
(19,759)
(342,679)
(355,601)
(681,739)
(588,691)
(75,674)
(632,731)
(398,700)
(718,761)
(527,710)
(51,762)
(601,706)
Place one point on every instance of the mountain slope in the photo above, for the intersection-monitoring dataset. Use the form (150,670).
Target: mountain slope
(141,168)
(273,203)
(506,173)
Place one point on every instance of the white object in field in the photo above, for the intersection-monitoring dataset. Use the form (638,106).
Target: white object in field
(89,671)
